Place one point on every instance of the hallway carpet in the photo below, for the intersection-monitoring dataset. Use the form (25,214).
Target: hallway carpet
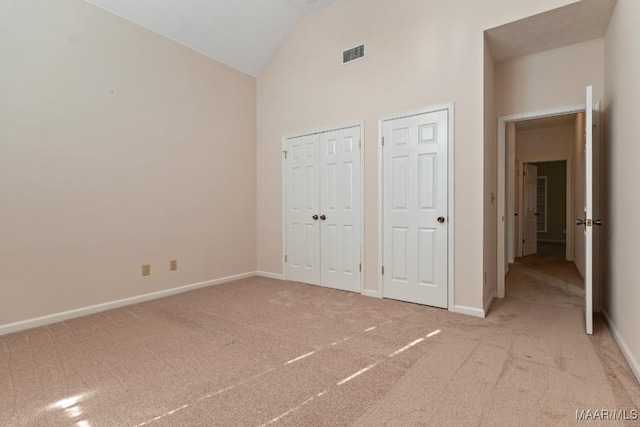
(262,352)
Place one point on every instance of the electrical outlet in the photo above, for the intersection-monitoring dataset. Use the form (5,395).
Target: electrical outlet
(173,265)
(146,270)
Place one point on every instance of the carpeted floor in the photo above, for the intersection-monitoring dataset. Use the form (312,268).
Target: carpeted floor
(550,261)
(265,352)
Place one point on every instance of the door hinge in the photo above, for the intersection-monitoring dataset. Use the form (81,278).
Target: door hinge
(383,141)
(360,144)
(360,267)
(383,270)
(285,155)
(285,257)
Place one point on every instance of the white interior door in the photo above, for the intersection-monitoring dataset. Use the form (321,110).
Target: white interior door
(530,245)
(322,208)
(340,209)
(415,209)
(302,209)
(588,229)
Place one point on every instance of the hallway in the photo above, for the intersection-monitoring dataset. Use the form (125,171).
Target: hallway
(546,277)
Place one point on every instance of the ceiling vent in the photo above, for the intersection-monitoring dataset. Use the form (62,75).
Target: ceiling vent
(353,54)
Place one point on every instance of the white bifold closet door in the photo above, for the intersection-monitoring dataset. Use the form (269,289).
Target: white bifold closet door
(302,209)
(323,209)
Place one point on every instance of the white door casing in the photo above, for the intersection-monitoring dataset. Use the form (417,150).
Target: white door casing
(340,209)
(530,244)
(414,197)
(322,181)
(302,204)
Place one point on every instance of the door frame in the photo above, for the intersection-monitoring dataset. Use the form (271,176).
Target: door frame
(450,108)
(502,165)
(361,201)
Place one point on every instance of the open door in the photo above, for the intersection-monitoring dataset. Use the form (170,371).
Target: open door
(588,210)
(530,243)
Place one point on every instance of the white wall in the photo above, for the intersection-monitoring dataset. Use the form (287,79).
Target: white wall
(550,79)
(118,148)
(418,54)
(546,144)
(622,151)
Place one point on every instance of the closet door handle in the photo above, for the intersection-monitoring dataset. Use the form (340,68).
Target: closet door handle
(323,217)
(315,217)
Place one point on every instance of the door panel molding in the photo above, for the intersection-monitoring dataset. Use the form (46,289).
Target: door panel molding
(449,108)
(357,145)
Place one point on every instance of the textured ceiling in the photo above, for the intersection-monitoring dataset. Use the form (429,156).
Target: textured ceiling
(240,33)
(564,26)
(547,122)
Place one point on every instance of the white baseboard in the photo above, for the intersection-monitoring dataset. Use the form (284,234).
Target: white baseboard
(470,311)
(487,306)
(633,363)
(371,293)
(270,275)
(79,312)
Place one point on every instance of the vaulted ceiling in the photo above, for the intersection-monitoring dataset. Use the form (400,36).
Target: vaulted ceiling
(243,34)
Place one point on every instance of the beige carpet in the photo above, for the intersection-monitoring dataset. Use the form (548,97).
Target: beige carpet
(265,352)
(550,261)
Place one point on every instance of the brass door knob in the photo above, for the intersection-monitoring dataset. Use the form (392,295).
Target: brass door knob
(440,219)
(315,217)
(323,217)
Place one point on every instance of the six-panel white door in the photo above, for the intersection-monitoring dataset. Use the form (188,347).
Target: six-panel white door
(340,209)
(415,235)
(588,227)
(302,209)
(530,244)
(323,229)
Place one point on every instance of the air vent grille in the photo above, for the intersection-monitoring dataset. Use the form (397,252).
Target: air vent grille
(353,54)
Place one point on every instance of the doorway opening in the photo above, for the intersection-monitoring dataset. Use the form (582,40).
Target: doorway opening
(580,149)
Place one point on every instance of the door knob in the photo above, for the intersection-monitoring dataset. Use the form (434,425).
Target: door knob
(579,221)
(440,219)
(598,222)
(323,217)
(315,217)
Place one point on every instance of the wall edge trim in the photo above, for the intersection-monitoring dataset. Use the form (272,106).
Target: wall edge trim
(270,275)
(624,348)
(469,311)
(371,293)
(97,308)
(487,305)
